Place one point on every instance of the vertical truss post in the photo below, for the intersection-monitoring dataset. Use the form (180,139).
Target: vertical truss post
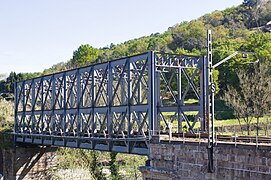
(139,98)
(123,94)
(150,108)
(129,94)
(139,94)
(205,97)
(202,99)
(24,105)
(123,90)
(82,86)
(158,100)
(53,96)
(78,95)
(70,92)
(93,96)
(33,105)
(152,91)
(180,126)
(110,101)
(65,102)
(42,105)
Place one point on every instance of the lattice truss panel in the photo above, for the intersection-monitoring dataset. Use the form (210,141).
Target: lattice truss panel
(113,106)
(104,105)
(180,93)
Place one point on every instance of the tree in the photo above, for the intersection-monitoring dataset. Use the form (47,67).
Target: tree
(114,168)
(260,43)
(261,89)
(56,68)
(240,100)
(250,3)
(189,36)
(254,11)
(95,166)
(252,97)
(84,55)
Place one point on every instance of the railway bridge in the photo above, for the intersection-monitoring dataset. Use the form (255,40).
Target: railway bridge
(114,106)
(126,106)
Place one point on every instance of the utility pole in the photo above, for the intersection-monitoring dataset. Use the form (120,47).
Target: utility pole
(211,95)
(211,102)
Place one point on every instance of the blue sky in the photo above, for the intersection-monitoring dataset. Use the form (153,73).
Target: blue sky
(38,34)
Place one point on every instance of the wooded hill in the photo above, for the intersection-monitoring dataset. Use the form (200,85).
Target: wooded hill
(246,27)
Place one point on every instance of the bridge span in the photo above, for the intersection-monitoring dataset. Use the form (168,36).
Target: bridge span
(117,105)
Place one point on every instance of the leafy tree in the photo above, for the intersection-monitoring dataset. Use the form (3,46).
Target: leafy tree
(241,100)
(265,14)
(119,51)
(261,91)
(137,46)
(84,55)
(7,85)
(114,168)
(6,115)
(56,68)
(250,3)
(253,11)
(260,43)
(253,96)
(95,166)
(189,36)
(215,19)
(159,43)
(227,71)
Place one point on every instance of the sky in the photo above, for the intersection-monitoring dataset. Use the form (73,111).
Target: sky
(35,35)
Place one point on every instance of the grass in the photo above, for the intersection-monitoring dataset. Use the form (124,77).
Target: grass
(78,160)
(232,122)
(6,115)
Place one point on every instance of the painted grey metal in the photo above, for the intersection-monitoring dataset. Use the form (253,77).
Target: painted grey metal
(114,106)
(177,87)
(211,101)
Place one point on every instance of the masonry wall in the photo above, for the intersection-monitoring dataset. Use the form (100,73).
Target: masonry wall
(28,162)
(176,160)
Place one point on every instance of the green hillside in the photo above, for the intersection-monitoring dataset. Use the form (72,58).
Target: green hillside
(241,28)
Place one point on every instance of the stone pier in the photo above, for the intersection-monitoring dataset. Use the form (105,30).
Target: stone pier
(189,160)
(27,162)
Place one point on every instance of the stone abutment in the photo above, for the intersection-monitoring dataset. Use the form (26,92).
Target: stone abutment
(27,162)
(189,160)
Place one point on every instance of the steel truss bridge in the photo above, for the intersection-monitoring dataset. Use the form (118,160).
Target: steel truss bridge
(117,105)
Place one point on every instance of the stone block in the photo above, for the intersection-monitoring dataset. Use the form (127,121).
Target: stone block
(28,163)
(241,158)
(210,176)
(269,162)
(251,167)
(183,173)
(264,169)
(241,162)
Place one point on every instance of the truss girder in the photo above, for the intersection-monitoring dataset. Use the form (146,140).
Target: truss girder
(113,106)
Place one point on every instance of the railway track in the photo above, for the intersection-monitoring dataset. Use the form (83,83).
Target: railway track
(223,138)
